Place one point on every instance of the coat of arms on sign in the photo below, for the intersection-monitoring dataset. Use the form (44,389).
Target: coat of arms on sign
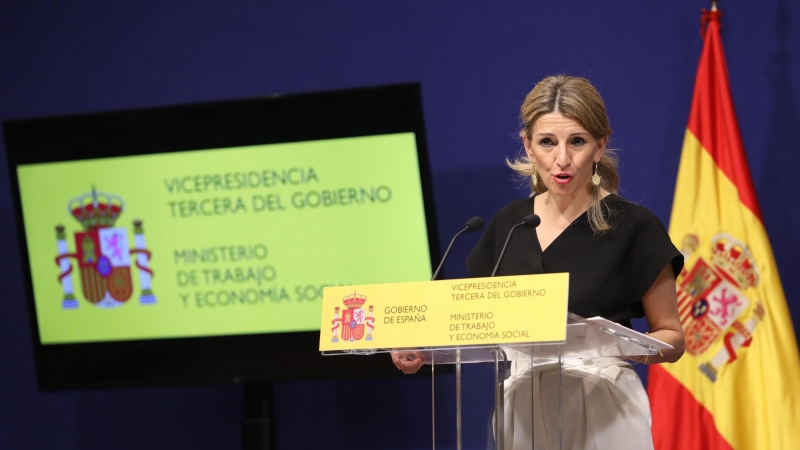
(103,254)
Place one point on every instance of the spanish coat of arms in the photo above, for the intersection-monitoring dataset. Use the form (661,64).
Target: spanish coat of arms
(103,254)
(354,321)
(712,304)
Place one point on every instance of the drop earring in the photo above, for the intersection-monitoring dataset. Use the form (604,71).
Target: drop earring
(533,176)
(596,179)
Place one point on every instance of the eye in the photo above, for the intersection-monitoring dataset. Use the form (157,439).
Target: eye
(546,142)
(578,141)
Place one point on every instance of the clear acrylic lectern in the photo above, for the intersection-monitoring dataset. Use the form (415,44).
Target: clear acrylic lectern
(587,340)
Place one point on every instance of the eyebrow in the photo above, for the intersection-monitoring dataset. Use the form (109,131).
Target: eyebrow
(581,133)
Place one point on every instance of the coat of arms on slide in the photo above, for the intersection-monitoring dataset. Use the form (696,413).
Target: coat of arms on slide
(712,303)
(103,254)
(354,320)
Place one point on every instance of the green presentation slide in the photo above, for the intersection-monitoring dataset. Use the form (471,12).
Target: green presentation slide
(218,242)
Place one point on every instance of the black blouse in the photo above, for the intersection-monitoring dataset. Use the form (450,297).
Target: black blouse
(608,273)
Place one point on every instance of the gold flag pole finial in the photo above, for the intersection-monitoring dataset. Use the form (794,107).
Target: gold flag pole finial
(713,5)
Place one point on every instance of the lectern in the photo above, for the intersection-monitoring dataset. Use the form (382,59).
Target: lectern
(460,333)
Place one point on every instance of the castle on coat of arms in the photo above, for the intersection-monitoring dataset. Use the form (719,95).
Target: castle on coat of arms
(103,254)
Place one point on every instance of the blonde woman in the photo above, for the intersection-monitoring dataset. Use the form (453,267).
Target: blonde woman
(621,262)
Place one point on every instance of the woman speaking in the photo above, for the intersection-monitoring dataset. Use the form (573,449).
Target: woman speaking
(621,262)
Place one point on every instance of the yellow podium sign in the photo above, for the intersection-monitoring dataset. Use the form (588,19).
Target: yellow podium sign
(447,313)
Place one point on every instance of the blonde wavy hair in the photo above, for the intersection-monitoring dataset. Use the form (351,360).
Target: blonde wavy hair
(576,98)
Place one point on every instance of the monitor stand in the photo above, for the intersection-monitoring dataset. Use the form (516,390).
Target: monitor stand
(258,426)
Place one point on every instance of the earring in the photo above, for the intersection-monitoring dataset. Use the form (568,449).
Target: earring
(533,175)
(596,179)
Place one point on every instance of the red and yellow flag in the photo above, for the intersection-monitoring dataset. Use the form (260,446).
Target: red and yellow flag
(738,385)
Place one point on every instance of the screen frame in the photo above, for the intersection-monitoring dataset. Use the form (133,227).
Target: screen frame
(245,358)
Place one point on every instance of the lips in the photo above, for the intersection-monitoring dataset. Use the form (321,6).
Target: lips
(562,178)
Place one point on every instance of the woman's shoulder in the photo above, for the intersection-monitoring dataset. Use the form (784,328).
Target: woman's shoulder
(517,208)
(650,247)
(627,213)
(509,215)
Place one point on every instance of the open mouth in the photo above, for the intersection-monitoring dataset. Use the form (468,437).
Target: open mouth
(562,178)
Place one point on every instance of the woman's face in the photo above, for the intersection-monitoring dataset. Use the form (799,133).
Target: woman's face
(564,153)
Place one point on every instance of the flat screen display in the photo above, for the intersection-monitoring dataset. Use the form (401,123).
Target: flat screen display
(176,230)
(219,241)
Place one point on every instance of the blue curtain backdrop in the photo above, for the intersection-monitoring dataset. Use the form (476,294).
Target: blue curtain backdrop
(475,62)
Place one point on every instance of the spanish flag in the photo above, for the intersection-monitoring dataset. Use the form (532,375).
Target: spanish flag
(738,384)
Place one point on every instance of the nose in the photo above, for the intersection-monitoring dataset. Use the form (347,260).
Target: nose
(562,157)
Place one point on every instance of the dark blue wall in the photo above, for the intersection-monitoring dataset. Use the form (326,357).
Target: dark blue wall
(475,60)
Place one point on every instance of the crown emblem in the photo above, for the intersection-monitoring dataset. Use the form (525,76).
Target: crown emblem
(354,301)
(735,260)
(96,209)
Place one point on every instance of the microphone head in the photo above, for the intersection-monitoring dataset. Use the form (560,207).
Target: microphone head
(531,221)
(474,224)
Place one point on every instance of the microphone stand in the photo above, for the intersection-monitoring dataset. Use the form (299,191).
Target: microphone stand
(528,221)
(474,224)
(447,252)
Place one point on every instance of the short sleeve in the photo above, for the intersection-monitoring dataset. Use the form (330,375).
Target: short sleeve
(650,251)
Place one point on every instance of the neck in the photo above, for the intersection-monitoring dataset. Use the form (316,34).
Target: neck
(568,207)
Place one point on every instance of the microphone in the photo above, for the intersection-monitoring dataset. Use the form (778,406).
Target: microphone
(474,224)
(531,220)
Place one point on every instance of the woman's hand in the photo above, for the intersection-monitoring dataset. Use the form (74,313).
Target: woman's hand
(408,361)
